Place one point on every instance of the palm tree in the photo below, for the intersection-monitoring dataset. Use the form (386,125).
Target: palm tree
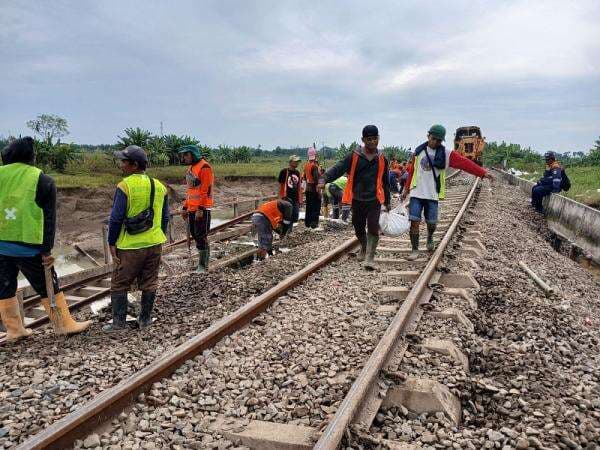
(134,136)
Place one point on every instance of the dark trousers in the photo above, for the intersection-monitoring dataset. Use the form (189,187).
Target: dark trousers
(365,214)
(295,210)
(141,264)
(199,229)
(537,196)
(31,267)
(336,200)
(313,209)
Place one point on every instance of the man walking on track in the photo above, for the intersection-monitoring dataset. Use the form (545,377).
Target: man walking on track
(290,186)
(137,229)
(199,201)
(272,216)
(27,230)
(427,183)
(313,196)
(367,190)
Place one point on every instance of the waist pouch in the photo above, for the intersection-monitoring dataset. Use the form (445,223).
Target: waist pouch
(144,220)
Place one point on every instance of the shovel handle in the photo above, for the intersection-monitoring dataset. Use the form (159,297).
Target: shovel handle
(49,286)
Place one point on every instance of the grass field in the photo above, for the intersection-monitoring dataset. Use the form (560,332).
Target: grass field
(78,177)
(585,183)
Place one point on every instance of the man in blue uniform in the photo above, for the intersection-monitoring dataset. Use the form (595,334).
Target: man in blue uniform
(550,182)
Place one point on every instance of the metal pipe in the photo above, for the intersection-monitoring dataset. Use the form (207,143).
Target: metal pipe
(541,283)
(333,434)
(107,255)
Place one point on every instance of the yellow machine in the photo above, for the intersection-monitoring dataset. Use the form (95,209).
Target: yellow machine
(469,143)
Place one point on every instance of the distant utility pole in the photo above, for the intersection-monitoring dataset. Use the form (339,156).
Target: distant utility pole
(161,129)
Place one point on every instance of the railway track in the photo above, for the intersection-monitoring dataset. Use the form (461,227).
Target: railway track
(110,402)
(84,287)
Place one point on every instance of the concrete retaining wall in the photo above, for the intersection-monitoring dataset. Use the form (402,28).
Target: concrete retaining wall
(570,220)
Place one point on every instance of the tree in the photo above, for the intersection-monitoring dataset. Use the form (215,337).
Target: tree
(48,127)
(134,136)
(342,151)
(593,157)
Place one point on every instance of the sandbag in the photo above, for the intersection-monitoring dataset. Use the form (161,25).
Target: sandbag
(394,223)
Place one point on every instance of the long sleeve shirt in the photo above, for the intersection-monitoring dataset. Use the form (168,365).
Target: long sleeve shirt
(456,161)
(365,177)
(119,212)
(552,177)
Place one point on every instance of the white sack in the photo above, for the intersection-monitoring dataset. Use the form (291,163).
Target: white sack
(394,223)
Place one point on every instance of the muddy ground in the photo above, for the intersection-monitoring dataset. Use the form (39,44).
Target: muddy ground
(81,212)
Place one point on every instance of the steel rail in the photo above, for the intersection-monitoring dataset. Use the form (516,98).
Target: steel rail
(63,433)
(333,434)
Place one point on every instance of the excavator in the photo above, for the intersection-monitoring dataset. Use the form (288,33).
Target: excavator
(469,143)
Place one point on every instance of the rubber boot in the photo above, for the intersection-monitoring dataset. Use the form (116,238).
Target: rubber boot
(118,301)
(147,303)
(414,242)
(202,258)
(430,231)
(11,318)
(60,317)
(372,241)
(360,256)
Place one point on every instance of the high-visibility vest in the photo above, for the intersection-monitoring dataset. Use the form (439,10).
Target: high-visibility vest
(271,212)
(283,187)
(417,170)
(380,194)
(137,188)
(308,170)
(195,198)
(21,219)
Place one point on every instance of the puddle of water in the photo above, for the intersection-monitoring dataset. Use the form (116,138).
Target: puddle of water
(67,261)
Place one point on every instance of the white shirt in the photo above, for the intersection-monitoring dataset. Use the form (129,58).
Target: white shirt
(425,187)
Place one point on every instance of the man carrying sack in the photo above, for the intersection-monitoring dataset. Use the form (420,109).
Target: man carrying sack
(27,230)
(137,229)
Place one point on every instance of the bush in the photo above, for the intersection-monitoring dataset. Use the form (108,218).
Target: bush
(92,162)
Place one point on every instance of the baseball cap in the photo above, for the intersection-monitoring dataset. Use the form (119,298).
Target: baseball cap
(294,158)
(133,153)
(438,131)
(369,131)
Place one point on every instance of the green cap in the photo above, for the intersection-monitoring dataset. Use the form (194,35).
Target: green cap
(438,131)
(193,149)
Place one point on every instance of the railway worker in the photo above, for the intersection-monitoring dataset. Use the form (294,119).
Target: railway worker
(313,196)
(550,182)
(272,216)
(290,186)
(367,190)
(27,230)
(427,183)
(335,192)
(137,229)
(199,201)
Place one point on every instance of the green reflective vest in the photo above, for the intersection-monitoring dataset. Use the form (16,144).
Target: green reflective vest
(440,172)
(137,189)
(21,219)
(340,182)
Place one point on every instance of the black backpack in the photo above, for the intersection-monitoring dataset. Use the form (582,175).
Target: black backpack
(565,183)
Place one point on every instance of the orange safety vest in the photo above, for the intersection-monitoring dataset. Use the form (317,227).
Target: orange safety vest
(271,212)
(283,188)
(308,168)
(347,197)
(197,194)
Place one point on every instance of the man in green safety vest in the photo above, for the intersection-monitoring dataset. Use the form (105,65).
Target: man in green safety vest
(27,229)
(335,191)
(137,229)
(427,183)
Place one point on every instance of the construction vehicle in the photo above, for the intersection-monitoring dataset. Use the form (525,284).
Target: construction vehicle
(469,143)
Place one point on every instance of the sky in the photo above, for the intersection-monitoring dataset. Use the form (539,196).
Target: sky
(289,73)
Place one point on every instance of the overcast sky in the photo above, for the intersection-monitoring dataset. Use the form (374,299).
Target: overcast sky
(292,72)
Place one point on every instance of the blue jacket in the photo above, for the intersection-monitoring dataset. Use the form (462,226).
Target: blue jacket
(552,177)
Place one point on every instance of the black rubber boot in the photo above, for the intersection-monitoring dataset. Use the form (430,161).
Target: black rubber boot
(147,303)
(372,241)
(360,256)
(118,302)
(430,231)
(414,242)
